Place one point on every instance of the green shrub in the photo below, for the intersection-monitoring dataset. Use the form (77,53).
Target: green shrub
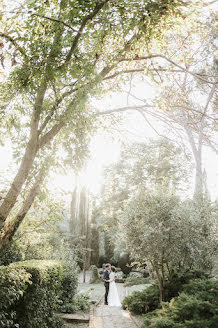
(11,254)
(148,299)
(13,283)
(80,302)
(124,263)
(36,306)
(131,281)
(143,301)
(70,282)
(195,307)
(175,285)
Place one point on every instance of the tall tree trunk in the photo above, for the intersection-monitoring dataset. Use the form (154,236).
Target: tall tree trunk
(198,192)
(160,283)
(27,161)
(196,147)
(11,228)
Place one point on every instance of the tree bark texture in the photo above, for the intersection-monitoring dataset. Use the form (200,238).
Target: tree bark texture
(11,228)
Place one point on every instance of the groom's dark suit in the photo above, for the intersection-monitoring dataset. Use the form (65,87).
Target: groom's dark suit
(106,285)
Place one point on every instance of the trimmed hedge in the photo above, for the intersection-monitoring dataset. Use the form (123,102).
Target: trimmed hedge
(13,283)
(30,292)
(35,309)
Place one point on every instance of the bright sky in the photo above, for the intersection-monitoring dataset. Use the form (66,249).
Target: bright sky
(105,147)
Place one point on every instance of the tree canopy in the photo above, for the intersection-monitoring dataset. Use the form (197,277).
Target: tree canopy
(60,53)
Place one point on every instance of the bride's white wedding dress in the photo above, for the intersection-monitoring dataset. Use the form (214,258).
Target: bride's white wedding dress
(113,297)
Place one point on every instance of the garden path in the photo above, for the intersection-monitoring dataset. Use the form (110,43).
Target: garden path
(105,316)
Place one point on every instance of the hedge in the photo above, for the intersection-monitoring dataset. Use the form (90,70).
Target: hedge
(13,283)
(32,290)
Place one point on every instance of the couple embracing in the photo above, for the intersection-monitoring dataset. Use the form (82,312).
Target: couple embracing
(111,294)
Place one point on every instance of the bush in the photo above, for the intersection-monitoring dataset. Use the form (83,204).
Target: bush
(80,302)
(69,283)
(148,299)
(143,301)
(102,260)
(36,306)
(13,283)
(195,307)
(176,284)
(11,254)
(131,281)
(124,263)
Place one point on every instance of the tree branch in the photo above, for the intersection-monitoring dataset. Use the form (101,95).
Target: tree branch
(56,20)
(123,109)
(14,42)
(84,22)
(171,62)
(212,91)
(58,102)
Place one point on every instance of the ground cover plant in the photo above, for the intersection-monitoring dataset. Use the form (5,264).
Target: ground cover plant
(196,306)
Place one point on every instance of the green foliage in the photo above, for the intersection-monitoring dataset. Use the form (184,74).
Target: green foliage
(80,302)
(13,253)
(94,244)
(103,259)
(178,280)
(142,166)
(143,301)
(132,281)
(62,51)
(195,307)
(124,263)
(36,306)
(13,284)
(173,236)
(69,282)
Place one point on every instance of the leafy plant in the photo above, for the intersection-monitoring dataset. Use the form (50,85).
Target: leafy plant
(196,306)
(10,254)
(143,301)
(13,284)
(131,281)
(39,301)
(80,302)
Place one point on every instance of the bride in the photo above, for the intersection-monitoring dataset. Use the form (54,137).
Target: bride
(113,297)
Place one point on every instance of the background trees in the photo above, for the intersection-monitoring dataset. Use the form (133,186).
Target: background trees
(172,236)
(141,167)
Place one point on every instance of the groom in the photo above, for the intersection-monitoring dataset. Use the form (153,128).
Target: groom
(106,278)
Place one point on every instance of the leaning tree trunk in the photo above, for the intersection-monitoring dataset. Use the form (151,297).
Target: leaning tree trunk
(11,228)
(27,161)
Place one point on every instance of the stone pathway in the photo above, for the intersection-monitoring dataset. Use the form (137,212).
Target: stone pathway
(105,316)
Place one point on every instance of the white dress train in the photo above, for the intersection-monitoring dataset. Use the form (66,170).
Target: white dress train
(113,297)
